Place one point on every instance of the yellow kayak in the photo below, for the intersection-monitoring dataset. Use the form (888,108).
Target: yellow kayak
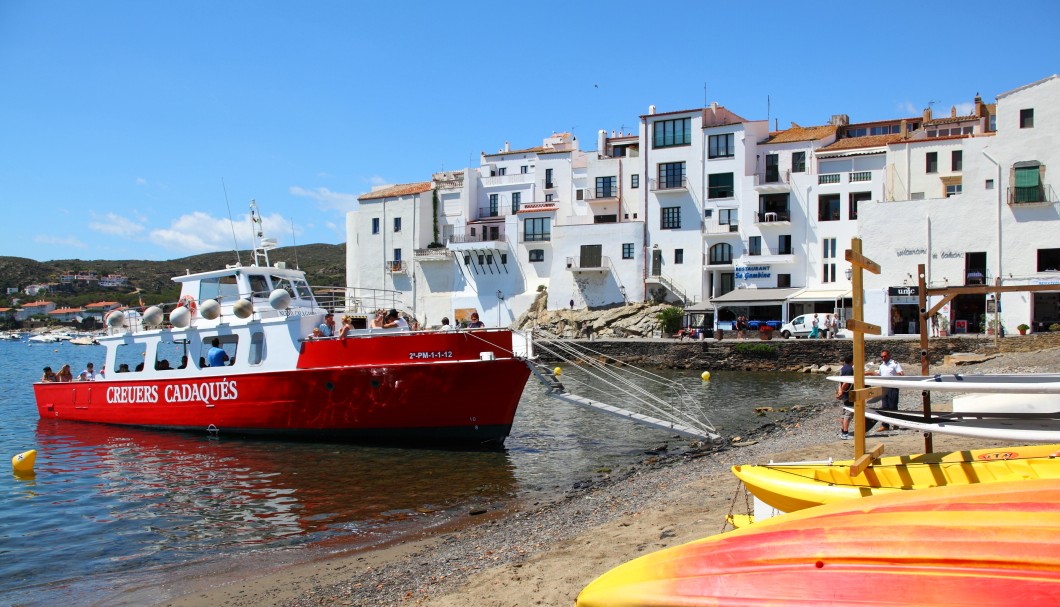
(794,486)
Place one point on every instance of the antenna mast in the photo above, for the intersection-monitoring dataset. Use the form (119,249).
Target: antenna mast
(262,245)
(235,244)
(294,241)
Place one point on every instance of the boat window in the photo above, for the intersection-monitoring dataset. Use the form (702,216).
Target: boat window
(279,282)
(256,353)
(129,358)
(171,355)
(259,286)
(303,289)
(223,289)
(228,343)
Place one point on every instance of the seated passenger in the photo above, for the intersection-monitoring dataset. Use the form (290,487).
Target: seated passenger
(475,322)
(49,375)
(445,324)
(65,374)
(347,326)
(395,321)
(378,320)
(89,374)
(163,365)
(140,367)
(123,368)
(183,362)
(316,334)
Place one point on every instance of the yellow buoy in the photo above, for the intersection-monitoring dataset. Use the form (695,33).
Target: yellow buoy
(705,376)
(23,462)
(557,371)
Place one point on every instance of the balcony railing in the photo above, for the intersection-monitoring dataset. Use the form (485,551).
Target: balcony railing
(436,254)
(776,177)
(395,266)
(773,217)
(485,233)
(532,207)
(975,277)
(826,178)
(860,176)
(575,264)
(537,237)
(672,184)
(603,196)
(716,227)
(1037,194)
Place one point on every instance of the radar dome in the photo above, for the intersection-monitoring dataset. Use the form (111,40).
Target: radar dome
(243,308)
(279,299)
(210,309)
(152,316)
(180,317)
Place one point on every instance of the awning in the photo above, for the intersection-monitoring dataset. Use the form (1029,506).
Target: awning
(700,308)
(753,296)
(821,295)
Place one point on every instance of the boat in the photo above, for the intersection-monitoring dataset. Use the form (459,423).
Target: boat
(792,486)
(1008,383)
(1015,427)
(1040,404)
(981,544)
(373,385)
(84,340)
(43,338)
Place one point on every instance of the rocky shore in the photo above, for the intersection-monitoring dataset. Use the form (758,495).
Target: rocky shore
(544,553)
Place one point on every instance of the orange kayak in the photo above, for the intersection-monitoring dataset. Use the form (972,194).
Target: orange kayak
(979,544)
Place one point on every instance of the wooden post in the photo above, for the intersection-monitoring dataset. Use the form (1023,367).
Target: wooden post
(857,325)
(925,318)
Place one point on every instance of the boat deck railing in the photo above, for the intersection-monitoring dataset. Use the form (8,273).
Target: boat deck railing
(356,300)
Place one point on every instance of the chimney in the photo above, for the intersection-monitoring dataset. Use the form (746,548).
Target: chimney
(903,128)
(651,110)
(507,147)
(978,106)
(927,114)
(601,142)
(840,120)
(953,111)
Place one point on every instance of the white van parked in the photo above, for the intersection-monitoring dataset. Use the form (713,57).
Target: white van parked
(802,326)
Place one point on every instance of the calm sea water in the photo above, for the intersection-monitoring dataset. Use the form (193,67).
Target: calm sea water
(111,505)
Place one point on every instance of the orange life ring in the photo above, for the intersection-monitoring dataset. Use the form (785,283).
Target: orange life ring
(188,302)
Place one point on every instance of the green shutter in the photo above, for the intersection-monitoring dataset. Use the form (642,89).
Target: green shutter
(1027,177)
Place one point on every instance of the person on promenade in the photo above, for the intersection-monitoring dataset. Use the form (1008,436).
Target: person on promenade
(475,322)
(347,326)
(843,396)
(49,375)
(89,374)
(741,327)
(935,324)
(216,356)
(327,328)
(815,332)
(888,368)
(65,374)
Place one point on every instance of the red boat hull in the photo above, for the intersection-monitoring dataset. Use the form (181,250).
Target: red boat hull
(434,387)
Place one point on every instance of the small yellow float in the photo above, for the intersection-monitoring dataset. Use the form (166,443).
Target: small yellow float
(23,462)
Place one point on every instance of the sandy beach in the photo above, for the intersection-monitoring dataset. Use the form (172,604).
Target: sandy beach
(545,553)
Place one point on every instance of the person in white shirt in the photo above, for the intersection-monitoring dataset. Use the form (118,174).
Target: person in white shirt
(89,374)
(395,321)
(445,324)
(889,368)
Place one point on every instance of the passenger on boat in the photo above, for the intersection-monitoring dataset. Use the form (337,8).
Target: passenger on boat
(445,324)
(65,374)
(379,320)
(49,375)
(216,355)
(475,322)
(347,326)
(123,368)
(163,365)
(327,328)
(89,374)
(316,334)
(183,362)
(139,367)
(394,321)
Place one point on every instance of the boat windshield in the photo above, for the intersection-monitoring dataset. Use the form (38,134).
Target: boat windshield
(222,288)
(296,287)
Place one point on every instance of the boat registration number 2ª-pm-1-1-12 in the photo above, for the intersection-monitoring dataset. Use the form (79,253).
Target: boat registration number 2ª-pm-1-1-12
(426,355)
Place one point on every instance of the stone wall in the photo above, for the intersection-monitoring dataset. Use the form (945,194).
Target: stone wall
(777,354)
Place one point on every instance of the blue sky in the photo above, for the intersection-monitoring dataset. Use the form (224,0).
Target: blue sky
(121,120)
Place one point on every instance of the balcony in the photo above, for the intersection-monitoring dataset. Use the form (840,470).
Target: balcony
(497,210)
(975,276)
(502,180)
(396,266)
(1032,196)
(860,176)
(773,217)
(482,233)
(773,182)
(536,237)
(436,254)
(539,207)
(714,226)
(672,184)
(829,178)
(602,197)
(589,264)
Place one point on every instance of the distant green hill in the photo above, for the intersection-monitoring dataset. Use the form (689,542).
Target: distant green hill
(324,264)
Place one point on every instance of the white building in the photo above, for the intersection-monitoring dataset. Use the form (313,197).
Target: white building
(973,206)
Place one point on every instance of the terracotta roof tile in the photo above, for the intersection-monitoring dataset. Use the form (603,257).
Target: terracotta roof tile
(534,150)
(102,304)
(951,120)
(801,133)
(406,189)
(65,311)
(37,304)
(720,117)
(870,141)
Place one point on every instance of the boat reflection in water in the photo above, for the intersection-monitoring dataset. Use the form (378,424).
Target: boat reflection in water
(170,497)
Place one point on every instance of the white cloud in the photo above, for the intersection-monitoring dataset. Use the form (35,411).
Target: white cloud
(117,225)
(965,109)
(332,201)
(377,180)
(69,241)
(200,232)
(141,181)
(908,109)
